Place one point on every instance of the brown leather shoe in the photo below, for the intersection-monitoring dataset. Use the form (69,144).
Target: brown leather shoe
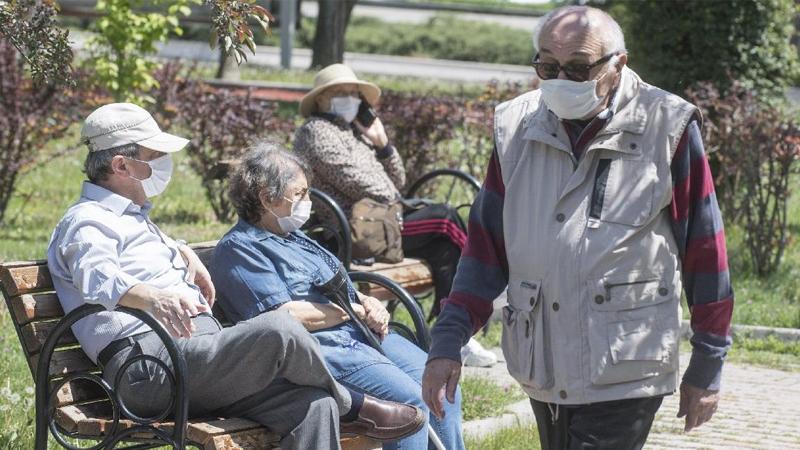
(384,420)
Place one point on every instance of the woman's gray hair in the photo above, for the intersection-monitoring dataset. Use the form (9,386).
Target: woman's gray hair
(266,168)
(613,38)
(97,165)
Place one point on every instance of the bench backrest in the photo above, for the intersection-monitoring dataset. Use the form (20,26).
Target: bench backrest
(35,311)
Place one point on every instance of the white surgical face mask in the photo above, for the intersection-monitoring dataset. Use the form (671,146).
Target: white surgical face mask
(301,211)
(160,174)
(345,107)
(570,99)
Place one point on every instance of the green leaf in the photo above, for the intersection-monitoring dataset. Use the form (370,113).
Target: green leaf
(213,38)
(250,44)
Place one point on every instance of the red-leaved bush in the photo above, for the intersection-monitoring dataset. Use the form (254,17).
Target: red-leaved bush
(30,116)
(221,124)
(755,149)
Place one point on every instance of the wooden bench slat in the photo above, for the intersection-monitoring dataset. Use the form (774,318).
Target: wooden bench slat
(24,277)
(79,391)
(32,307)
(66,362)
(35,334)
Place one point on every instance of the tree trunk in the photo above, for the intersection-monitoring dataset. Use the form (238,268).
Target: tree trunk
(332,19)
(227,69)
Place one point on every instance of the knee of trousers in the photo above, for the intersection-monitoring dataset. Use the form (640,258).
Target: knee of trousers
(280,326)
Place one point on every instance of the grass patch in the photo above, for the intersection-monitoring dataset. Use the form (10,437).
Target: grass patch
(16,390)
(770,352)
(482,397)
(520,437)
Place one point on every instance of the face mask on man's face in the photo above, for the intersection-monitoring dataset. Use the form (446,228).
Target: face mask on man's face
(345,107)
(571,99)
(160,174)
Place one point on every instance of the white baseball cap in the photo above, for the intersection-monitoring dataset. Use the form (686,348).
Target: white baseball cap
(118,124)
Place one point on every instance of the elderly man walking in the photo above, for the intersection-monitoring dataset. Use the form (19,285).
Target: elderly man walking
(107,251)
(598,208)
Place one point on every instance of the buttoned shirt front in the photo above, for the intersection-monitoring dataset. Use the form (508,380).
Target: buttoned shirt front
(103,246)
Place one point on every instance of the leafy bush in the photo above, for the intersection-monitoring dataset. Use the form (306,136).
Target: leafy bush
(30,116)
(443,37)
(433,132)
(756,149)
(221,124)
(692,41)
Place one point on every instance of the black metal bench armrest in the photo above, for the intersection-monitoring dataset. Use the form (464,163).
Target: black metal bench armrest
(180,406)
(421,334)
(472,181)
(341,218)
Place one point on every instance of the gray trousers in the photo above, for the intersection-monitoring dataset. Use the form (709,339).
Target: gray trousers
(268,369)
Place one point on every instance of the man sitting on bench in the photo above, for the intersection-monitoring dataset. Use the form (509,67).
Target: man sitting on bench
(107,251)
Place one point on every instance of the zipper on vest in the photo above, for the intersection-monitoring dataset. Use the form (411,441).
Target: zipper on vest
(599,190)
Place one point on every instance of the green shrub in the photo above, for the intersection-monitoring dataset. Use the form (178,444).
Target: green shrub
(442,37)
(674,44)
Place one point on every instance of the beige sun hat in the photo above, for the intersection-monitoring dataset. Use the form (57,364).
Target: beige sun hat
(331,76)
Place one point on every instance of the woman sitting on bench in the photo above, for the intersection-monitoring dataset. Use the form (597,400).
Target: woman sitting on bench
(265,263)
(351,159)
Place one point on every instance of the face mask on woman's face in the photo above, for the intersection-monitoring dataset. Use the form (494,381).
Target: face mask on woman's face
(345,107)
(160,174)
(301,211)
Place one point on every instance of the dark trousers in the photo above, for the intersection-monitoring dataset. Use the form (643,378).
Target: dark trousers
(615,425)
(442,255)
(436,248)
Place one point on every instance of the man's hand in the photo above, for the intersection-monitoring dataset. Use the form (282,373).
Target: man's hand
(375,133)
(698,405)
(441,377)
(198,274)
(175,312)
(376,316)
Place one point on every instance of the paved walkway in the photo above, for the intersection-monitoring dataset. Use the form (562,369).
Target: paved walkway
(759,409)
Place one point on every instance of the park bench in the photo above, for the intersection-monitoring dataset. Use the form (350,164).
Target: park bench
(74,403)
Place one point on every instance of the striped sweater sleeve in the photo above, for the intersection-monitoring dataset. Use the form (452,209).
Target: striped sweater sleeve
(698,229)
(482,272)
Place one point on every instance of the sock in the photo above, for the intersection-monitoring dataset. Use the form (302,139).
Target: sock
(355,407)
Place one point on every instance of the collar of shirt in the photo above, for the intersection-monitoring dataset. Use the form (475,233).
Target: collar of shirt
(111,201)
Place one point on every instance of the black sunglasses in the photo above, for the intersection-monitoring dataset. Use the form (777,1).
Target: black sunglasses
(575,72)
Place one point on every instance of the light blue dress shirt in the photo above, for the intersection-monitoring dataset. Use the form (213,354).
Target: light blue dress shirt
(104,245)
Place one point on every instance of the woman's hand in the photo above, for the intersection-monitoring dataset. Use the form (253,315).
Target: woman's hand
(375,133)
(377,317)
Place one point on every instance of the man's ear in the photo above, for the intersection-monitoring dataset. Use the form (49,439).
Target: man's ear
(119,165)
(622,61)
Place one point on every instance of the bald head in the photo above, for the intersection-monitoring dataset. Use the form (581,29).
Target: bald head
(571,24)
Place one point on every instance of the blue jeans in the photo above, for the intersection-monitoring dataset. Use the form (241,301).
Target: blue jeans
(402,382)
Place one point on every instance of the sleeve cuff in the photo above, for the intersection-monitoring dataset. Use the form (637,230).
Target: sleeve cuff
(385,152)
(113,289)
(704,371)
(451,331)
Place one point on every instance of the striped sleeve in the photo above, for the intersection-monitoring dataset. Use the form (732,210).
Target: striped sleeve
(699,232)
(482,272)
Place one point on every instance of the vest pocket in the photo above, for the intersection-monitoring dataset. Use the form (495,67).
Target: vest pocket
(629,333)
(525,343)
(628,188)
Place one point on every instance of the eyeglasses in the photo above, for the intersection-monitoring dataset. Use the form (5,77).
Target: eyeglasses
(575,72)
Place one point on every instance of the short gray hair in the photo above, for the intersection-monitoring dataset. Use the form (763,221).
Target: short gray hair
(268,168)
(97,165)
(613,38)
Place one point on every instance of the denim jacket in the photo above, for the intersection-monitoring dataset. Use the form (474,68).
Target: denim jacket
(256,271)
